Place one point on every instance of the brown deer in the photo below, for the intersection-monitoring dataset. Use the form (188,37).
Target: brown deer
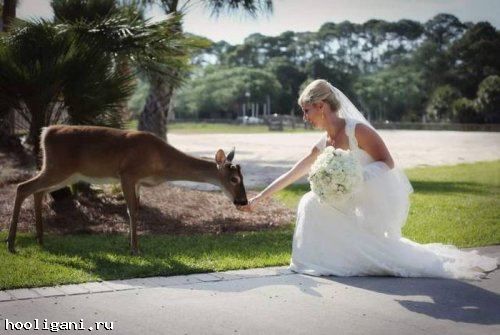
(133,158)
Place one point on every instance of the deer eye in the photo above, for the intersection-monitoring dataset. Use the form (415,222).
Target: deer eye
(235,180)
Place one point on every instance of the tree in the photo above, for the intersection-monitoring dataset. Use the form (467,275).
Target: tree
(223,90)
(159,102)
(396,67)
(464,111)
(46,68)
(38,65)
(443,29)
(392,94)
(488,99)
(433,58)
(290,78)
(340,74)
(440,105)
(475,56)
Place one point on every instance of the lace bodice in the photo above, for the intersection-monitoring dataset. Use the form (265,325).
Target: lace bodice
(363,157)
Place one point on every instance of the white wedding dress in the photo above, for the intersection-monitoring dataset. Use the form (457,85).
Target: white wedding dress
(362,237)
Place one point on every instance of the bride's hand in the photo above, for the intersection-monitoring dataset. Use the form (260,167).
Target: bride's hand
(251,204)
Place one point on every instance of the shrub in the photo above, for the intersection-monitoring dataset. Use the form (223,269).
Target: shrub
(464,111)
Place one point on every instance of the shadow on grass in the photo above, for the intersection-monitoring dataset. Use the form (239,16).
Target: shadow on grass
(426,187)
(439,187)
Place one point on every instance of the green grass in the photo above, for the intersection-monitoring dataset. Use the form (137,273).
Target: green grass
(218,128)
(457,205)
(454,204)
(80,258)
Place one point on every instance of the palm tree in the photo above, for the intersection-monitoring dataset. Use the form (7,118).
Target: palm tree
(73,66)
(159,102)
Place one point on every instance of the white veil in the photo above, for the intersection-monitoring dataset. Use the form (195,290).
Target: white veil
(347,109)
(390,211)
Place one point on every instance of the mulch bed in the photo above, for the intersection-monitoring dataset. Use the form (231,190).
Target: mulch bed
(165,209)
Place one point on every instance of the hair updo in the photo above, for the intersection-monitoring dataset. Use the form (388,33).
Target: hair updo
(317,91)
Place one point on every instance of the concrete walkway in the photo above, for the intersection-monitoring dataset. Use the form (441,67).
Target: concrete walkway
(261,301)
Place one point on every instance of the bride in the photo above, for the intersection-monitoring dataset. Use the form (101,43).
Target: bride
(363,236)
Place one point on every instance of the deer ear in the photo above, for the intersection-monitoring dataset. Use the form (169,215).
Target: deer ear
(230,156)
(220,157)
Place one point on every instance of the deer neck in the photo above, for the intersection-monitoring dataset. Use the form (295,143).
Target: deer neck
(194,169)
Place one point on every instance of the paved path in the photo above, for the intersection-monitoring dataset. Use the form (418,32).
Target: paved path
(264,301)
(265,156)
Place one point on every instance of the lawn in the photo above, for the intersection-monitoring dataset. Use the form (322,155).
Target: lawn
(80,258)
(453,204)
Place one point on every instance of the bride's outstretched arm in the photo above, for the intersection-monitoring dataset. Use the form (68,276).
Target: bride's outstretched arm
(300,169)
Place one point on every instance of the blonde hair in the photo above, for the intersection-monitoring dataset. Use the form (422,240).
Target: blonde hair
(317,91)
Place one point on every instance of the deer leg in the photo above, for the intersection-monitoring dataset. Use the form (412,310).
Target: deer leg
(20,196)
(38,199)
(37,184)
(128,188)
(138,197)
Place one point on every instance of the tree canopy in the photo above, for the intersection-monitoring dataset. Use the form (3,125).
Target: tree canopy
(404,70)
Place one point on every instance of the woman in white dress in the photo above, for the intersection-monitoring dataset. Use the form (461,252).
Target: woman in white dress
(363,236)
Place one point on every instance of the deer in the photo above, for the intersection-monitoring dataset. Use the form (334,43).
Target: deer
(101,155)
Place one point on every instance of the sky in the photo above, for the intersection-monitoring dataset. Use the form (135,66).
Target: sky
(308,15)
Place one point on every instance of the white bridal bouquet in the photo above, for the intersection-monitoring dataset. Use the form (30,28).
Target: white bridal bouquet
(335,174)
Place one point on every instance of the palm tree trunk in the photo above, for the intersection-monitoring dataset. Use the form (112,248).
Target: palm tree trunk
(154,115)
(159,102)
(8,13)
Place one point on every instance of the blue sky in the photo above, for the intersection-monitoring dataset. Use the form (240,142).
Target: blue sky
(309,15)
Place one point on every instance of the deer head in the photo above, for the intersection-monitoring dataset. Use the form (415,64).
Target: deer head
(231,178)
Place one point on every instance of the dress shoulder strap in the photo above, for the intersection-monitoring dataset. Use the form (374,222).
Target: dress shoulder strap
(321,144)
(350,126)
